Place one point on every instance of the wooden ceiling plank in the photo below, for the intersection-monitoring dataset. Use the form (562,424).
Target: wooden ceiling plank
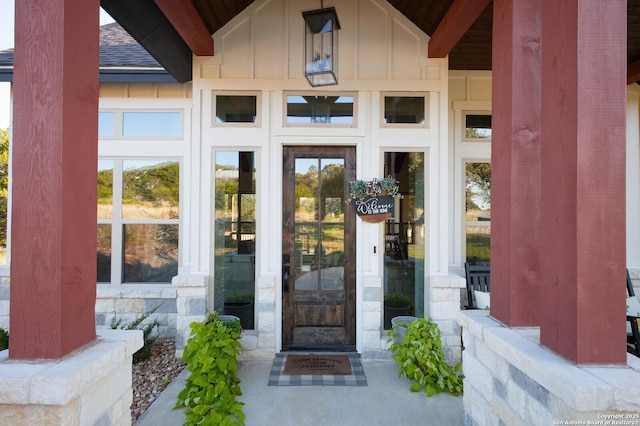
(459,18)
(633,72)
(186,20)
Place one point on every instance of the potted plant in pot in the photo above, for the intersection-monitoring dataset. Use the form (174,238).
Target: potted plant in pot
(211,390)
(396,304)
(240,304)
(374,199)
(421,359)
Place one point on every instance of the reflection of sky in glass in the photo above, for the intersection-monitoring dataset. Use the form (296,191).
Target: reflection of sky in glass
(105,165)
(159,124)
(105,124)
(227,158)
(303,165)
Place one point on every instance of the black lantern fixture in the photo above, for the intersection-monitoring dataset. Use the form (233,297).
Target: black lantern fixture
(321,46)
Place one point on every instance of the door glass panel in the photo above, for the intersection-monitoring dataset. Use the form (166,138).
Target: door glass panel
(319,224)
(235,235)
(404,236)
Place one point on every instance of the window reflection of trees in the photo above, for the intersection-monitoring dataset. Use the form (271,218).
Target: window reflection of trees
(150,193)
(478,212)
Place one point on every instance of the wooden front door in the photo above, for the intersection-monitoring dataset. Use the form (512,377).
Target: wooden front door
(318,262)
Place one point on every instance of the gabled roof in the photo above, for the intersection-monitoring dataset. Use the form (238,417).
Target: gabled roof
(122,59)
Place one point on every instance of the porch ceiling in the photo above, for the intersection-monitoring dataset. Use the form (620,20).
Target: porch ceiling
(172,30)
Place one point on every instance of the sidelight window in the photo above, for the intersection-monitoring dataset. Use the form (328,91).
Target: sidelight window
(404,237)
(235,235)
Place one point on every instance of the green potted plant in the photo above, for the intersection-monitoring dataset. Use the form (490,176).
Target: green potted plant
(240,304)
(396,304)
(210,391)
(421,359)
(361,189)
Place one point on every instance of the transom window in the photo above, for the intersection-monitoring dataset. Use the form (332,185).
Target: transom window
(404,109)
(477,127)
(140,124)
(235,108)
(323,109)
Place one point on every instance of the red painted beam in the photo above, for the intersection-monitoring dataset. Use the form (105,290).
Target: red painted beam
(187,21)
(633,72)
(55,149)
(582,240)
(515,163)
(458,19)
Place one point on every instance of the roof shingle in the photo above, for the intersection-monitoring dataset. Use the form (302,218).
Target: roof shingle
(117,49)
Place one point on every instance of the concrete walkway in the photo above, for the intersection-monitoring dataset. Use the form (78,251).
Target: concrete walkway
(385,401)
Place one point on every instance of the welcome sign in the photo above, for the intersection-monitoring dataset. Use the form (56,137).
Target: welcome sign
(369,206)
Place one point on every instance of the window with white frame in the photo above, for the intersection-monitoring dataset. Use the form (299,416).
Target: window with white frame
(313,108)
(477,126)
(236,108)
(138,220)
(123,124)
(477,212)
(404,109)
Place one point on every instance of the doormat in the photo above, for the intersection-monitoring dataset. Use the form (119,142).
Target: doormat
(279,377)
(317,364)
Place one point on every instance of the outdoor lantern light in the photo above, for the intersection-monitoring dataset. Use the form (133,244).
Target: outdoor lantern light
(320,46)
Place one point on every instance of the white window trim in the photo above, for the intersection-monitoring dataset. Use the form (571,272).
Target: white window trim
(118,123)
(216,93)
(117,221)
(425,95)
(286,94)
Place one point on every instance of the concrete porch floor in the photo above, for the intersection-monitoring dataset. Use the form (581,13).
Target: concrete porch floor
(386,400)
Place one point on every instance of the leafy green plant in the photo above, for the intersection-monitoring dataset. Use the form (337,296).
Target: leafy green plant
(421,359)
(4,339)
(210,392)
(138,324)
(370,188)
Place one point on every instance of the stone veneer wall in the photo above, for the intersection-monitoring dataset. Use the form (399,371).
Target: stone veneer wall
(510,379)
(90,386)
(443,301)
(193,299)
(128,303)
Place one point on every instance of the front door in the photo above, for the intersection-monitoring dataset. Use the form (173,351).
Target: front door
(318,242)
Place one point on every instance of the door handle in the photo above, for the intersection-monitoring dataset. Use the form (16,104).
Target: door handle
(285,279)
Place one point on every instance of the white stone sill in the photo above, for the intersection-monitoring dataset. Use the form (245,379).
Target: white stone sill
(584,388)
(165,291)
(58,382)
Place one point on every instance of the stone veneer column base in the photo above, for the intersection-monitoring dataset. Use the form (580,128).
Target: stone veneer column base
(90,386)
(510,379)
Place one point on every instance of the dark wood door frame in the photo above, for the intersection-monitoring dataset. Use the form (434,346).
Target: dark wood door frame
(322,319)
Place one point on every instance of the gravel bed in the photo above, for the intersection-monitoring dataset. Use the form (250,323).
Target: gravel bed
(152,376)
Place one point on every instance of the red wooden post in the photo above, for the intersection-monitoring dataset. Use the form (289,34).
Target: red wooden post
(53,234)
(582,263)
(515,162)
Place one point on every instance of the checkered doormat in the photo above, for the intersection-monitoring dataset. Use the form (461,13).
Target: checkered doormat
(278,378)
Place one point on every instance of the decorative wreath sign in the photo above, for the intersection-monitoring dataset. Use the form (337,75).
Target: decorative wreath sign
(374,199)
